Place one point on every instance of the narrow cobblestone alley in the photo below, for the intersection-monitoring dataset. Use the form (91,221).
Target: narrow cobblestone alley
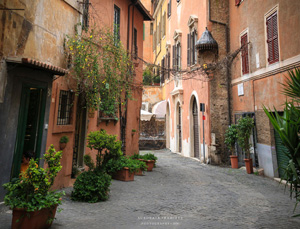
(182,193)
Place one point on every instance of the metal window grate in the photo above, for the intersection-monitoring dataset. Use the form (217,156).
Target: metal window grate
(64,108)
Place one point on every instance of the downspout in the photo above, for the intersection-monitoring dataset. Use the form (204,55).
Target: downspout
(227,51)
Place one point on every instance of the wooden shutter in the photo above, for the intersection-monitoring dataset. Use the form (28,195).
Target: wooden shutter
(272,39)
(188,48)
(170,2)
(169,60)
(174,57)
(245,59)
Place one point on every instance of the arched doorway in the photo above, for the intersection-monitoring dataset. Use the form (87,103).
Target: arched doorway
(195,128)
(168,126)
(178,128)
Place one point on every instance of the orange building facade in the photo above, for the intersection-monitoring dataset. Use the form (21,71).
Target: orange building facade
(272,30)
(184,85)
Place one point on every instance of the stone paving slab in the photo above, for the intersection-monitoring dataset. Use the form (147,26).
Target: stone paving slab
(182,193)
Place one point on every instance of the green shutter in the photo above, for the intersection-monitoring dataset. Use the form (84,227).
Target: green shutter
(281,151)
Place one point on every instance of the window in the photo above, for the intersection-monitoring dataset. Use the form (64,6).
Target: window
(169,8)
(163,67)
(272,38)
(191,50)
(135,48)
(65,107)
(191,40)
(177,56)
(116,23)
(164,25)
(177,50)
(154,41)
(244,52)
(151,28)
(168,63)
(85,16)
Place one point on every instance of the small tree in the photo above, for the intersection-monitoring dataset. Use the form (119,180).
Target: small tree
(244,129)
(107,147)
(231,138)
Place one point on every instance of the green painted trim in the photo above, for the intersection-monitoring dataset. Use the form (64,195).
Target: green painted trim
(21,129)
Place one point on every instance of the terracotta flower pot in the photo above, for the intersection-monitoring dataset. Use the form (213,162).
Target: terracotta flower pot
(234,162)
(139,173)
(150,164)
(33,220)
(249,165)
(123,175)
(62,145)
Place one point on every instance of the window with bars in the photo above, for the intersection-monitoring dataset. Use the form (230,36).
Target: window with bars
(191,50)
(65,107)
(245,54)
(272,38)
(116,23)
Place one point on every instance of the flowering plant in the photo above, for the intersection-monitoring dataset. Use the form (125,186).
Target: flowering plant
(31,190)
(102,69)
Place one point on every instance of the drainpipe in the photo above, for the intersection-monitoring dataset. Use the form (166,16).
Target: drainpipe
(227,51)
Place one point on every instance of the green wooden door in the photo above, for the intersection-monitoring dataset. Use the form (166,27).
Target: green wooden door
(281,151)
(30,124)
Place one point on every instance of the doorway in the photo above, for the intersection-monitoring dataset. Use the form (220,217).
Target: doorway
(179,141)
(30,124)
(195,129)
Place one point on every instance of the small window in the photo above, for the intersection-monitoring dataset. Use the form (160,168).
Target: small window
(245,55)
(116,23)
(85,16)
(177,56)
(65,108)
(191,50)
(169,8)
(272,38)
(151,28)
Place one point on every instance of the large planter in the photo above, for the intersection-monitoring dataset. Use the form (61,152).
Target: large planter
(33,220)
(150,164)
(139,173)
(123,175)
(249,165)
(234,162)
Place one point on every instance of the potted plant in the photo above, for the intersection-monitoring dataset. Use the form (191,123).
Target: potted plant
(34,206)
(150,160)
(63,142)
(230,140)
(122,168)
(245,126)
(141,163)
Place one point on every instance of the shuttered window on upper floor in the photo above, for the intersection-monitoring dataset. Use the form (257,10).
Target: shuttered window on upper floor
(272,38)
(244,52)
(169,8)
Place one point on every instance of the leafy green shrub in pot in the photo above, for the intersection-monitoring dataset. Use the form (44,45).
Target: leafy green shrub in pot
(149,156)
(231,138)
(31,190)
(141,164)
(114,165)
(136,156)
(244,130)
(107,146)
(91,186)
(64,139)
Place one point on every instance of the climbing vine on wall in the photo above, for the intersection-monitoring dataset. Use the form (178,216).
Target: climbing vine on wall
(102,69)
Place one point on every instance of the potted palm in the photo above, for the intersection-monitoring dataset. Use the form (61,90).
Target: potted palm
(230,140)
(244,129)
(34,206)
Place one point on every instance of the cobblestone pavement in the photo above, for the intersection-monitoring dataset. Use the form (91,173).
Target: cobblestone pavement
(182,193)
